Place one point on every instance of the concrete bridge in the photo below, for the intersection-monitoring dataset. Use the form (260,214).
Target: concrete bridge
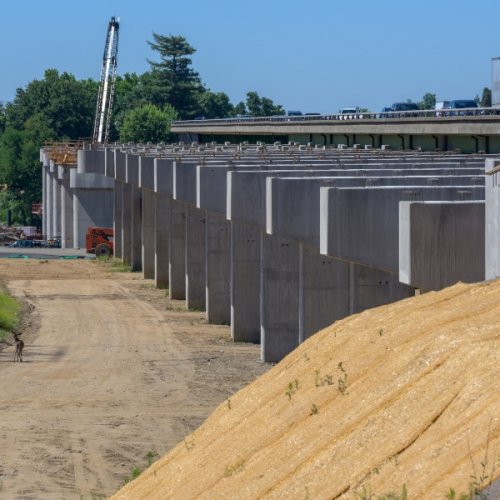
(468,131)
(282,240)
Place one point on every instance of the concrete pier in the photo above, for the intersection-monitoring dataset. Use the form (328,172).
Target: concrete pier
(195,252)
(148,233)
(492,223)
(162,237)
(245,282)
(118,220)
(323,291)
(177,250)
(281,240)
(66,209)
(279,297)
(218,269)
(126,226)
(136,228)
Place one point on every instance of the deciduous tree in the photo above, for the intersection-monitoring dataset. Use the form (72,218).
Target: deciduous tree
(148,123)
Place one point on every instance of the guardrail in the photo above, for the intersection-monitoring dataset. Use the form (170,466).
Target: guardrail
(427,113)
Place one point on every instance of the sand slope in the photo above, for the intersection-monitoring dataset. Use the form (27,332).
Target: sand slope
(405,394)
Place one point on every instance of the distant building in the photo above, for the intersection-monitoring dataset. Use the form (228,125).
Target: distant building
(495,81)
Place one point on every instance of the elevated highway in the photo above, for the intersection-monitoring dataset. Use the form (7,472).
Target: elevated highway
(470,131)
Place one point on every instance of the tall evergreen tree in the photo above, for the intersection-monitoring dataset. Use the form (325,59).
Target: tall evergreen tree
(485,101)
(173,80)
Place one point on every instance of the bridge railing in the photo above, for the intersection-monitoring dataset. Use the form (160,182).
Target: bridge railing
(387,115)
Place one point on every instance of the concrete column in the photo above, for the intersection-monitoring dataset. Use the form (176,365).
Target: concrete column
(218,265)
(56,207)
(279,297)
(44,199)
(126,239)
(492,220)
(91,207)
(324,291)
(370,287)
(136,202)
(176,250)
(162,217)
(48,206)
(245,282)
(66,210)
(195,258)
(148,234)
(118,219)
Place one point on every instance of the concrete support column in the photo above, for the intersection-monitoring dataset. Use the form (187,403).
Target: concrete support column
(136,222)
(279,297)
(195,258)
(66,210)
(162,217)
(56,207)
(126,239)
(218,265)
(44,200)
(48,205)
(148,234)
(176,250)
(370,287)
(245,282)
(324,291)
(91,208)
(118,219)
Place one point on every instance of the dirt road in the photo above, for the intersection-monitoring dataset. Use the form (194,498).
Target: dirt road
(113,371)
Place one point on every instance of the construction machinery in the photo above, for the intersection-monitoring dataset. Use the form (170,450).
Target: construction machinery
(99,240)
(107,85)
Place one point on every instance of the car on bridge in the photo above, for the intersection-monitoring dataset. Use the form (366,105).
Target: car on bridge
(466,105)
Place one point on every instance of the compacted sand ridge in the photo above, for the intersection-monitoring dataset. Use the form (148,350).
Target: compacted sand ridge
(114,376)
(401,398)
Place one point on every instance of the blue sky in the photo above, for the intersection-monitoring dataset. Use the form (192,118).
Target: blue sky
(309,55)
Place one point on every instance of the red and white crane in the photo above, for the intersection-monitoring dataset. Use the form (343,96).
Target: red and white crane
(107,85)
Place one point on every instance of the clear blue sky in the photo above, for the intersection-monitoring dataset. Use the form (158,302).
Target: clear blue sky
(309,55)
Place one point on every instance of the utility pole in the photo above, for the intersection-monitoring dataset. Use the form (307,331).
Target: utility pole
(107,85)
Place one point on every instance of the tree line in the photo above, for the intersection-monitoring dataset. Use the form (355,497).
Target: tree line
(61,107)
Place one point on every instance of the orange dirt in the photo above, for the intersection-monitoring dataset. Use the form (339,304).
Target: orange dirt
(405,395)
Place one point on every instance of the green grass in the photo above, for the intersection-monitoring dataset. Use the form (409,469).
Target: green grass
(114,265)
(9,310)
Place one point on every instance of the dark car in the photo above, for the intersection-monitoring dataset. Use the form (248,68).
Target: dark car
(405,106)
(404,109)
(467,105)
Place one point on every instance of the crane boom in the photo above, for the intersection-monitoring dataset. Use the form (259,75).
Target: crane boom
(107,85)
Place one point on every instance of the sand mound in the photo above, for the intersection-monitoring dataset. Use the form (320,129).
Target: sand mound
(405,394)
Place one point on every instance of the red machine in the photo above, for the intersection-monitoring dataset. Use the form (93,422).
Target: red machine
(99,240)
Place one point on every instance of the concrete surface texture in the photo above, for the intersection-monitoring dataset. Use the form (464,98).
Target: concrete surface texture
(281,240)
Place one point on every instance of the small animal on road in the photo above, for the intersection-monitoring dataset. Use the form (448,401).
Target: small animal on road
(18,355)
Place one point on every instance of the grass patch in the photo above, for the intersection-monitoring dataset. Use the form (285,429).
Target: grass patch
(9,310)
(151,456)
(114,265)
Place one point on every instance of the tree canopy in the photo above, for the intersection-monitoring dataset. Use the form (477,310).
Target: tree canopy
(485,101)
(173,80)
(262,106)
(428,101)
(60,107)
(148,123)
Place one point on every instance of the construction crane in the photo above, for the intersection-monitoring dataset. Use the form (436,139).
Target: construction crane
(107,86)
